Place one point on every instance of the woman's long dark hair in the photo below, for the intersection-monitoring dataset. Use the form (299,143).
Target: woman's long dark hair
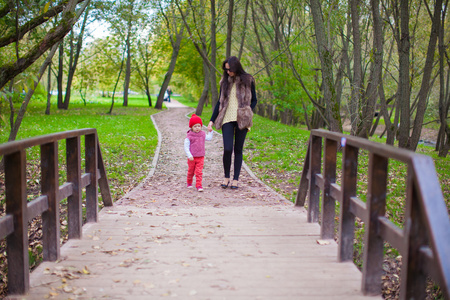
(236,68)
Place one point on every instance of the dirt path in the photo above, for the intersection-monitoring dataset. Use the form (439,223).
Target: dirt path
(166,184)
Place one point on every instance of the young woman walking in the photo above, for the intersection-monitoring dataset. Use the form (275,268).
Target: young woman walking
(233,114)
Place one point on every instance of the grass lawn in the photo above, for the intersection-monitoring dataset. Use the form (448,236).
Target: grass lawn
(127,137)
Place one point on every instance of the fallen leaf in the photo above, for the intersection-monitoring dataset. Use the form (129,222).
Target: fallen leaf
(323,242)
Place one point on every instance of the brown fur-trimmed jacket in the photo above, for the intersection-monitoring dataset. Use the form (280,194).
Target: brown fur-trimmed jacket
(246,96)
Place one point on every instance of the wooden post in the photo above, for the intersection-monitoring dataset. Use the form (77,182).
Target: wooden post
(314,168)
(373,242)
(328,203)
(347,224)
(304,182)
(413,280)
(91,168)
(103,181)
(74,202)
(16,205)
(50,187)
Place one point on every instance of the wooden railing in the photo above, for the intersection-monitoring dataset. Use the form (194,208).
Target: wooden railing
(424,240)
(14,225)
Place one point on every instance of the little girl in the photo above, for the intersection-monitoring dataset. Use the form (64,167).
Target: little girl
(194,146)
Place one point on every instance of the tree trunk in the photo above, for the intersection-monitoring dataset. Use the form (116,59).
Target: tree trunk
(332,108)
(117,82)
(173,61)
(73,61)
(404,88)
(204,96)
(11,104)
(443,140)
(371,95)
(229,27)
(241,47)
(60,76)
(26,100)
(126,84)
(425,87)
(212,73)
(357,85)
(49,88)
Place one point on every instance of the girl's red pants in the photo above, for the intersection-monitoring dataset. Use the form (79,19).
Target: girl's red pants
(195,167)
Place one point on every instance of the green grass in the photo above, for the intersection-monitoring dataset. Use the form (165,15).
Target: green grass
(127,137)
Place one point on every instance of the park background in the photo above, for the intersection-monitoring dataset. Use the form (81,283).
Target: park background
(376,69)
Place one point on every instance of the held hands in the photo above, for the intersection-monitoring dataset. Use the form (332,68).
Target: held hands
(210,125)
(191,158)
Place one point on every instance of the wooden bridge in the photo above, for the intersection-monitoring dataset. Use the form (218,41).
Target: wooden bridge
(261,249)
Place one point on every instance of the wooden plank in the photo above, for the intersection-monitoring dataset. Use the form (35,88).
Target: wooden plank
(11,147)
(74,202)
(314,190)
(435,213)
(328,203)
(37,207)
(50,188)
(373,255)
(383,150)
(6,226)
(85,180)
(320,181)
(103,180)
(65,190)
(186,253)
(16,204)
(359,208)
(304,181)
(392,234)
(335,192)
(91,168)
(347,224)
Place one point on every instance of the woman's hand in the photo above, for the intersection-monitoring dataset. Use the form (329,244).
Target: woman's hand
(210,125)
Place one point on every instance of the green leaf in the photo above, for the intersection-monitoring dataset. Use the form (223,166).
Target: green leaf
(46,7)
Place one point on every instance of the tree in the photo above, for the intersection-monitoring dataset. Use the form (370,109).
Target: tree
(196,27)
(144,65)
(27,56)
(74,54)
(175,30)
(127,20)
(332,107)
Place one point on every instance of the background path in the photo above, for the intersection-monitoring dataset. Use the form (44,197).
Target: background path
(164,240)
(167,185)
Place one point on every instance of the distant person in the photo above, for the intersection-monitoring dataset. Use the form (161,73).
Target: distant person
(169,93)
(194,146)
(234,114)
(166,96)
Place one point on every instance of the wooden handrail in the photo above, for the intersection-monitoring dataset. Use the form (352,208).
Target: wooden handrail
(424,241)
(14,225)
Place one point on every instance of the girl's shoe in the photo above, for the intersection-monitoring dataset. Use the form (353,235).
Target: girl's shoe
(200,189)
(223,185)
(189,186)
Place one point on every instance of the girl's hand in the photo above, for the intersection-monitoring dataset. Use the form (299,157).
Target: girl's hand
(210,125)
(191,158)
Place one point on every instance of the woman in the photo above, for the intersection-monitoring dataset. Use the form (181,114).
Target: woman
(233,113)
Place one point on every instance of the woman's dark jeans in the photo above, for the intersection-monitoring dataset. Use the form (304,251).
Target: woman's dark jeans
(233,135)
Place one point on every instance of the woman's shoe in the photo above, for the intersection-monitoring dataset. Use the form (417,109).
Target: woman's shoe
(223,185)
(234,185)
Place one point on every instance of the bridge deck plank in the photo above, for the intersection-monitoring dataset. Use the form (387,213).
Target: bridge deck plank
(198,253)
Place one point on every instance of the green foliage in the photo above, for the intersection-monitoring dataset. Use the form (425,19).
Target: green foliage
(127,137)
